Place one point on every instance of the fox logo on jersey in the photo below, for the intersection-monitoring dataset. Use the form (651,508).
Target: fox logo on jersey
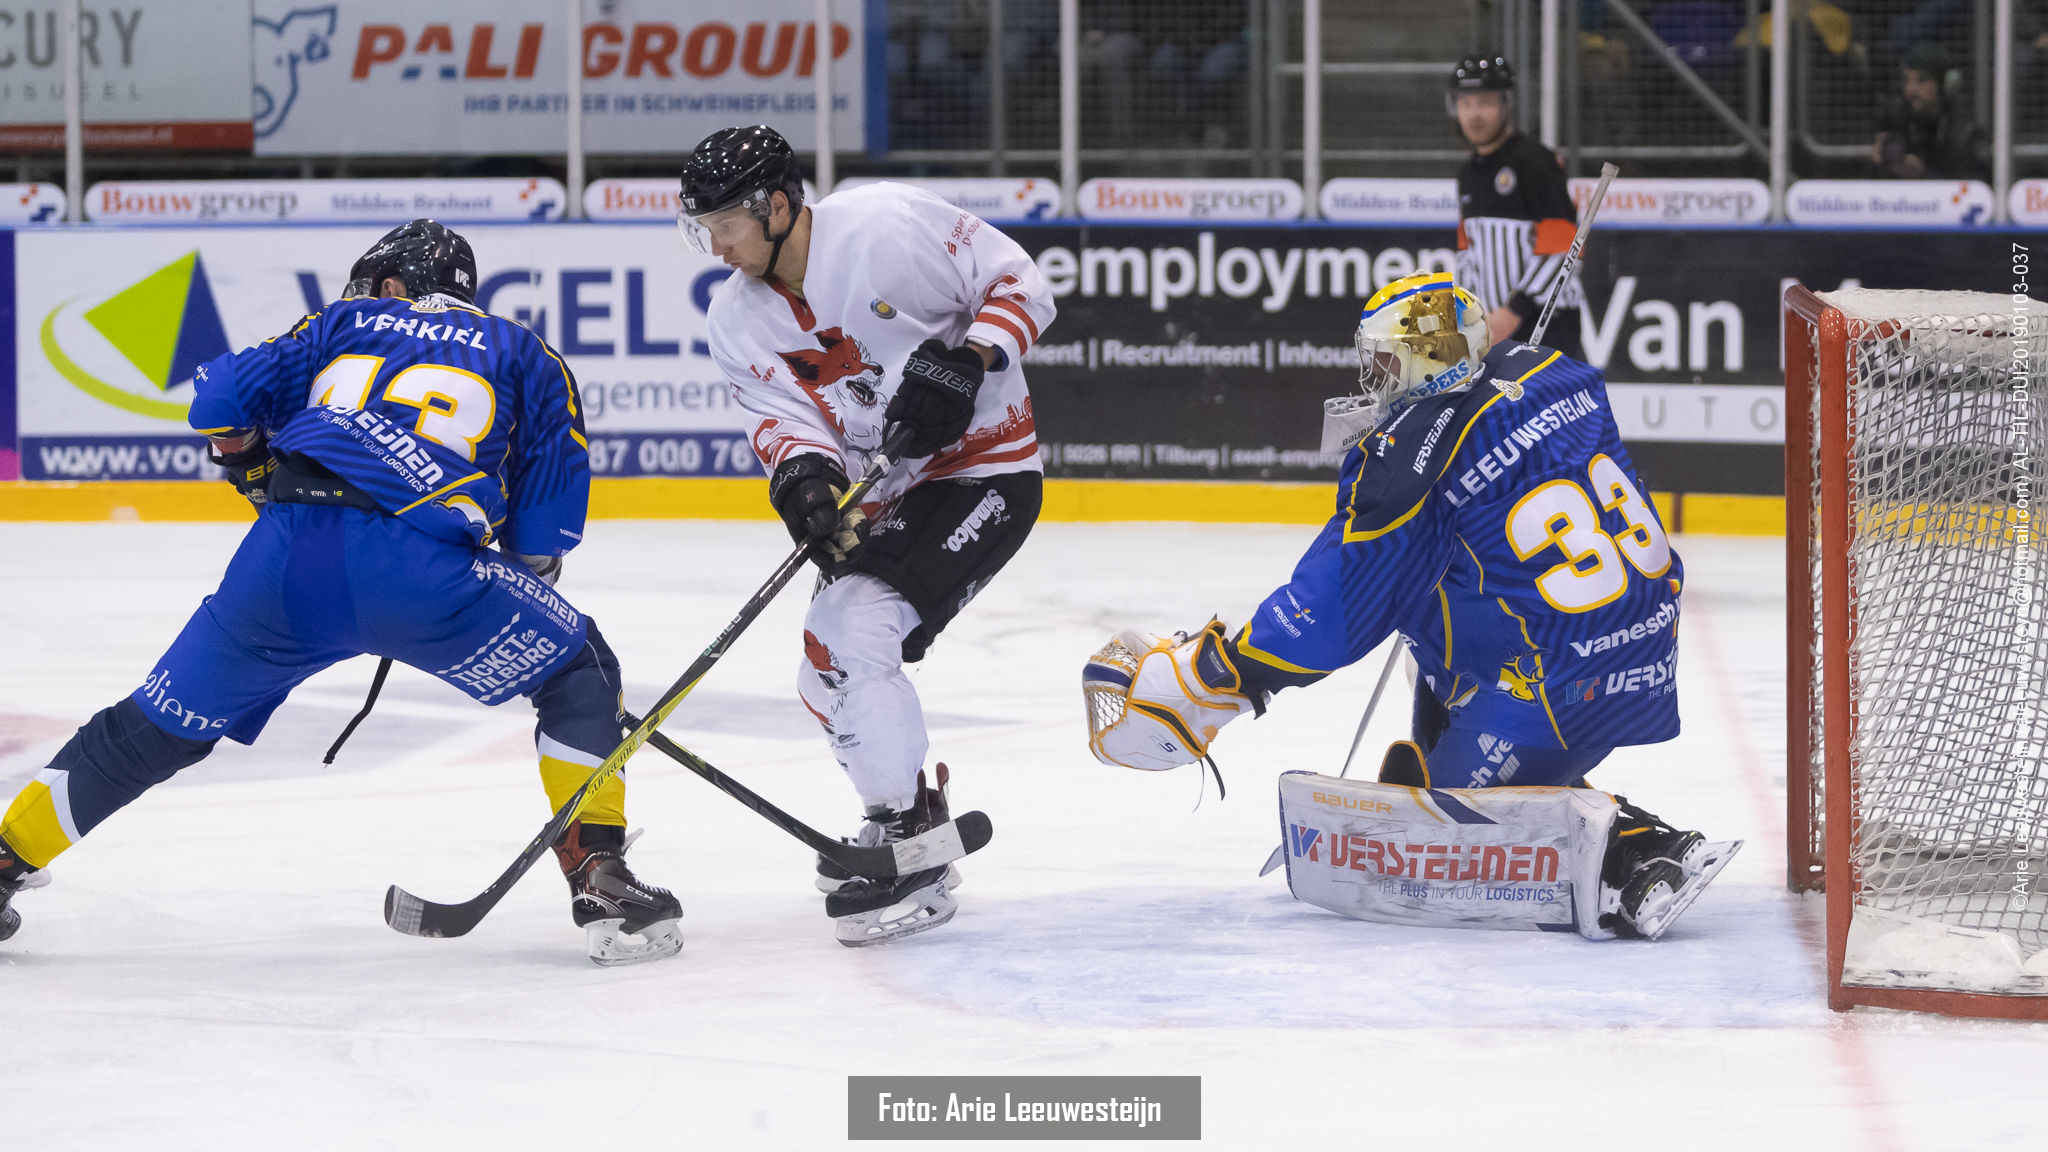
(838,358)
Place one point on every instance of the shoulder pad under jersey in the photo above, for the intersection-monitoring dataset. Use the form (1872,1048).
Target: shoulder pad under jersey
(1388,476)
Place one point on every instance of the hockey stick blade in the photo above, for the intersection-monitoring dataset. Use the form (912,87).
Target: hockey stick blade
(941,845)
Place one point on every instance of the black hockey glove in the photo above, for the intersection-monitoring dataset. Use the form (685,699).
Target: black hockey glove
(935,399)
(805,491)
(246,456)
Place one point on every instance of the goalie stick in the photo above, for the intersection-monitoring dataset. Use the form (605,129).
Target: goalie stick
(414,916)
(1358,737)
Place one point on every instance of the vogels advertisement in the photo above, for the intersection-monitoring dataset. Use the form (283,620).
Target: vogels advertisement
(109,326)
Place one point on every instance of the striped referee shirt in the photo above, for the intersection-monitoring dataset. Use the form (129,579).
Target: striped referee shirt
(1515,221)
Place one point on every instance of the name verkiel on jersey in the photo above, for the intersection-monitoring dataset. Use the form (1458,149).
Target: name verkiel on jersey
(420,329)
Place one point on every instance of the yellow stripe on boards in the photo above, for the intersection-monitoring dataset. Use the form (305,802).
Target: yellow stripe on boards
(746,498)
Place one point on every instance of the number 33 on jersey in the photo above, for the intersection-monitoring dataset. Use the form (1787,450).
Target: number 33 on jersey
(463,424)
(1503,532)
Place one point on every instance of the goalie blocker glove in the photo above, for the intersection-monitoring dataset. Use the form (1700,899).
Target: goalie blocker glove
(935,399)
(806,491)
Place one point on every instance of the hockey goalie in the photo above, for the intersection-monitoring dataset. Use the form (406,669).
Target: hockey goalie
(1488,513)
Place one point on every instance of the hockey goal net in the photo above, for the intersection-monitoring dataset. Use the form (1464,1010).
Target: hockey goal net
(1917,657)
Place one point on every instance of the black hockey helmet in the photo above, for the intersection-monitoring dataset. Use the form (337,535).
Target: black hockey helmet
(425,255)
(740,166)
(1483,74)
(1480,74)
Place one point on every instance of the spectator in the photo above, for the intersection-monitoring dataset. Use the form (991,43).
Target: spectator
(1923,133)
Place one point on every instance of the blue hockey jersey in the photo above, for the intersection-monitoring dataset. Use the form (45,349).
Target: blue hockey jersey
(1503,532)
(464,425)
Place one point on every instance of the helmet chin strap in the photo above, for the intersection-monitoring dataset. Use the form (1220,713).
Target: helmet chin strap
(775,242)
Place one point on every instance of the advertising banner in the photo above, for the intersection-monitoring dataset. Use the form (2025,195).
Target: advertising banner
(2027,200)
(1178,352)
(1676,203)
(998,199)
(1642,203)
(1889,203)
(1146,198)
(22,204)
(144,85)
(1390,201)
(483,77)
(649,198)
(389,202)
(109,326)
(1206,353)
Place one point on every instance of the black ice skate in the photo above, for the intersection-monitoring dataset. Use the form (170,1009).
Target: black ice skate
(832,878)
(626,919)
(13,878)
(1653,872)
(879,911)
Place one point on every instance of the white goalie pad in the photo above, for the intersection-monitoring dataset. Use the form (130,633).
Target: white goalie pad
(1503,858)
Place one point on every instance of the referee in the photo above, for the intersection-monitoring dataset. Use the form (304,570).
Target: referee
(1515,213)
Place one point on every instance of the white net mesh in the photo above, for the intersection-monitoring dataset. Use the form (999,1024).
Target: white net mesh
(1947,656)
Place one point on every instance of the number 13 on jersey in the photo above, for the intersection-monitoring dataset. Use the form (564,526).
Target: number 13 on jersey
(1595,570)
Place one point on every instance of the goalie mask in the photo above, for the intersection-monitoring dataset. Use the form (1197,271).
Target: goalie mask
(1417,337)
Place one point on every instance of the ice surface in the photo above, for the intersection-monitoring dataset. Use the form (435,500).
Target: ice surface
(209,969)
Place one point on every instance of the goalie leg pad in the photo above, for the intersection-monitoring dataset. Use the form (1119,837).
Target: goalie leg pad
(1505,858)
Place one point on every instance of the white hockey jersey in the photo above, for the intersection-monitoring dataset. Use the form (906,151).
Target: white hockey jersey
(890,267)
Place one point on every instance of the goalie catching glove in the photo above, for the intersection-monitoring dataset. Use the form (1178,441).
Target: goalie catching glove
(1155,702)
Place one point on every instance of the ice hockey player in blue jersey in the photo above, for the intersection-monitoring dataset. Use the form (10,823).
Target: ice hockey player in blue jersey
(388,441)
(1489,515)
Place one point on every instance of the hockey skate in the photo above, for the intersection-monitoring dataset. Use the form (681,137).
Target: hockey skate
(1653,872)
(832,878)
(626,919)
(868,911)
(15,876)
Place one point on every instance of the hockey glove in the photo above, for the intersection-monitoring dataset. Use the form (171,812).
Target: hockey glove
(805,491)
(1155,702)
(548,568)
(935,399)
(246,456)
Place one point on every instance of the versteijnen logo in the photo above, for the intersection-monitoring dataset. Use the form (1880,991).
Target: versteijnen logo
(163,326)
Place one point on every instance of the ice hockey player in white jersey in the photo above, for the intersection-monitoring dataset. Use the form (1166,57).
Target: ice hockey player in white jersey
(877,308)
(1488,513)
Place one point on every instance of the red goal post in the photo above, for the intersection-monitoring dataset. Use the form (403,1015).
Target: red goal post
(1916,658)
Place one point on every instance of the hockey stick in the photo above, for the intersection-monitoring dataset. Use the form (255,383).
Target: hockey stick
(941,845)
(413,916)
(369,702)
(1357,738)
(1570,263)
